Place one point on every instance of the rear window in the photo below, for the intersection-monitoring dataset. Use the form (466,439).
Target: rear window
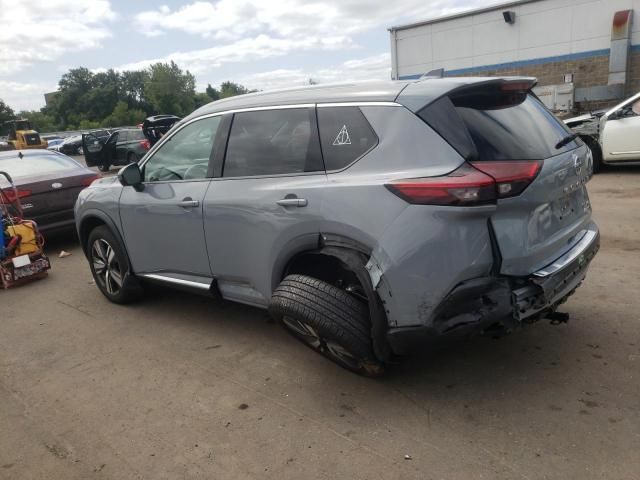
(135,134)
(345,135)
(488,124)
(36,165)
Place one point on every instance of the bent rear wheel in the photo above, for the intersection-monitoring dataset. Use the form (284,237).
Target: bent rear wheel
(327,319)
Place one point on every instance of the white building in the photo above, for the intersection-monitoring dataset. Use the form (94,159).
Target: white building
(582,51)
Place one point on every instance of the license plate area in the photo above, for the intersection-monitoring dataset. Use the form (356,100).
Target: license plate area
(571,204)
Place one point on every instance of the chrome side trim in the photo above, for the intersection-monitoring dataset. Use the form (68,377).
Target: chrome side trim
(149,155)
(176,281)
(359,104)
(584,243)
(634,152)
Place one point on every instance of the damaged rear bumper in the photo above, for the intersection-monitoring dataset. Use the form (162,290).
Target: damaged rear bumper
(498,304)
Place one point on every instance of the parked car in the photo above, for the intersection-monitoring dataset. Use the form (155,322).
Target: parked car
(54,142)
(123,146)
(155,127)
(72,145)
(613,135)
(48,185)
(369,218)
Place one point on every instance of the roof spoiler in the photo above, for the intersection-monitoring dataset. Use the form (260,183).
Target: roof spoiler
(419,94)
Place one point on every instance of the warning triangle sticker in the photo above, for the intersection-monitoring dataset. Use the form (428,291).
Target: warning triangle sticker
(343,137)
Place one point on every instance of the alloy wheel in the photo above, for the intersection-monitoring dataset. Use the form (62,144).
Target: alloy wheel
(315,340)
(106,266)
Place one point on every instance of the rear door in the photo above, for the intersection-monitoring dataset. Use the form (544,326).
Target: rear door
(266,201)
(122,146)
(499,126)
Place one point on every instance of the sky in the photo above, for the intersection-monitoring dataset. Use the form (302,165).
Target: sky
(261,44)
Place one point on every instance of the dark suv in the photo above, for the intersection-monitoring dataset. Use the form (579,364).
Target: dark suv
(368,218)
(126,145)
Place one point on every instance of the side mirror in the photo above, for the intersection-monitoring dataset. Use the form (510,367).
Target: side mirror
(131,176)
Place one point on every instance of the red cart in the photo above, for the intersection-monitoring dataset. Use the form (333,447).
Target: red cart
(22,257)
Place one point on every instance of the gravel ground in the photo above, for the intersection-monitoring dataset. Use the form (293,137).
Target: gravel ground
(181,387)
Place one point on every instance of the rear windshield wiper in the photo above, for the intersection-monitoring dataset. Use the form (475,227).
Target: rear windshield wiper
(566,140)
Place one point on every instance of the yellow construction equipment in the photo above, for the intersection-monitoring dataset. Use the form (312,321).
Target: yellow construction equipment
(21,136)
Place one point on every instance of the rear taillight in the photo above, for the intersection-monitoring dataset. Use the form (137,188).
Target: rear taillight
(89,180)
(479,184)
(511,177)
(12,195)
(145,144)
(464,186)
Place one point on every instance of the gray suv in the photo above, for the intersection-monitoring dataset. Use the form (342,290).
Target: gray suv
(368,218)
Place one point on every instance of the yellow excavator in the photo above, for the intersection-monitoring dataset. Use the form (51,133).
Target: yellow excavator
(21,136)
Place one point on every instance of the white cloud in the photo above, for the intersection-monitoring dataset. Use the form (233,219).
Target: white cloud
(376,67)
(245,50)
(23,95)
(43,30)
(232,19)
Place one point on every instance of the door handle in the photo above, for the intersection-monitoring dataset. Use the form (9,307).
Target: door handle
(292,202)
(188,203)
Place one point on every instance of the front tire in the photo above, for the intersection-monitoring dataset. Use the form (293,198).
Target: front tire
(596,152)
(328,320)
(104,168)
(110,267)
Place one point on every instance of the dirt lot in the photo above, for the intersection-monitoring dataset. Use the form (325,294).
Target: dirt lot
(179,387)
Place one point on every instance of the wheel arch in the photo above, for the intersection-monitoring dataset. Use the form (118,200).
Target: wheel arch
(92,220)
(334,256)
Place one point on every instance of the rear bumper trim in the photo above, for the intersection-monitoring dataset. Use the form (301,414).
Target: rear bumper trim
(587,240)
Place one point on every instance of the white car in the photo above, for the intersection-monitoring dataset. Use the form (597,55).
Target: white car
(613,135)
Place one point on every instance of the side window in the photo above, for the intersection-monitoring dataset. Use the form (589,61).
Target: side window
(135,134)
(345,135)
(185,156)
(123,136)
(272,142)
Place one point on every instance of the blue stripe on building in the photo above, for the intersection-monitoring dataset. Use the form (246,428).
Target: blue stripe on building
(524,63)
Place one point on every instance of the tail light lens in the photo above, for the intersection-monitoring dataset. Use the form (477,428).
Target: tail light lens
(89,180)
(479,184)
(511,177)
(13,195)
(145,144)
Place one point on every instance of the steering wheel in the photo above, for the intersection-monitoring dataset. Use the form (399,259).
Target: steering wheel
(196,172)
(160,175)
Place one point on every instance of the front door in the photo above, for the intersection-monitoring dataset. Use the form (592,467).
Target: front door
(267,201)
(162,223)
(621,135)
(93,148)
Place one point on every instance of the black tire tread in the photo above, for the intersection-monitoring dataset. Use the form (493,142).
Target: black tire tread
(335,313)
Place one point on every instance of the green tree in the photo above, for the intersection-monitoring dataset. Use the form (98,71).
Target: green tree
(72,102)
(213,93)
(132,89)
(200,99)
(103,96)
(123,116)
(6,113)
(169,89)
(231,89)
(40,121)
